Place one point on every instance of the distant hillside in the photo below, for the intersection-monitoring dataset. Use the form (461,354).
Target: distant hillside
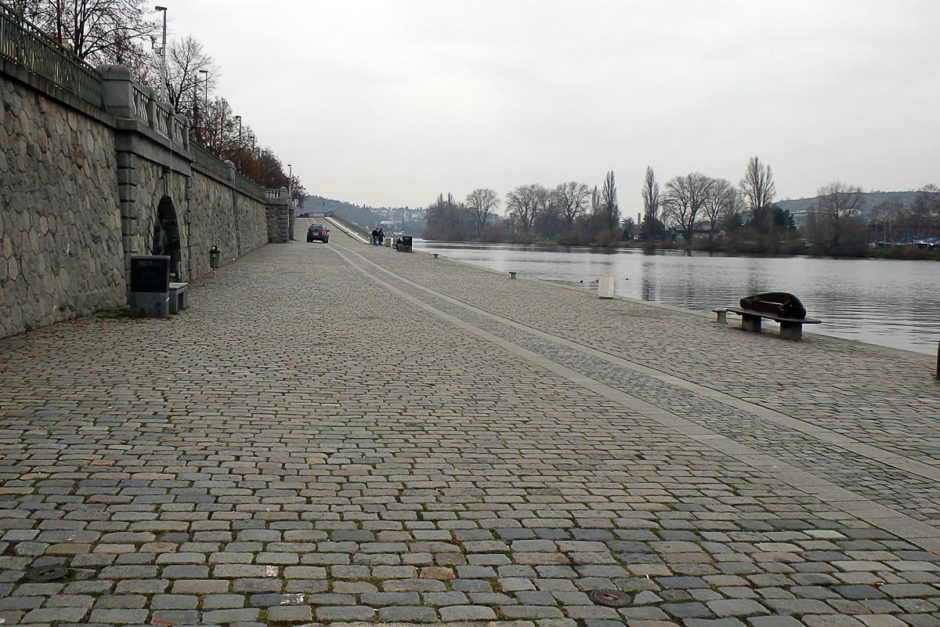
(360,215)
(870,200)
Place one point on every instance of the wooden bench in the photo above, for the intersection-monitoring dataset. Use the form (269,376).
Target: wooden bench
(178,298)
(790,328)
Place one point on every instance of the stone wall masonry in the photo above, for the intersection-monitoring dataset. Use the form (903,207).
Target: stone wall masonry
(232,221)
(82,189)
(61,253)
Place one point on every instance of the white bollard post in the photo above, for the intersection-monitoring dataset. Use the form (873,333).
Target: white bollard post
(605,286)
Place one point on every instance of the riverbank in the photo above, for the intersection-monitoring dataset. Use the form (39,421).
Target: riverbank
(341,433)
(886,302)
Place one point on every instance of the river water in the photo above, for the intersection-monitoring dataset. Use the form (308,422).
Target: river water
(888,302)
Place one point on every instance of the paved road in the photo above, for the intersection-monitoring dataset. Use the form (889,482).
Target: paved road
(341,433)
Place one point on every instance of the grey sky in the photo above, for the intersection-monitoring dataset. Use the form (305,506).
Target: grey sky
(392,102)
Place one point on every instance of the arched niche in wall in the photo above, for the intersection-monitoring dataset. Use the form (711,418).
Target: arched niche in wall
(166,235)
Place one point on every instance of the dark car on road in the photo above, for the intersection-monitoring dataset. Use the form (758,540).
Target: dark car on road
(318,232)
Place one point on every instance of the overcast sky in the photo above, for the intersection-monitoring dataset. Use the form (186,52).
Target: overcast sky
(390,102)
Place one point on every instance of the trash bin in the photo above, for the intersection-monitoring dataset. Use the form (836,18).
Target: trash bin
(215,257)
(150,286)
(406,244)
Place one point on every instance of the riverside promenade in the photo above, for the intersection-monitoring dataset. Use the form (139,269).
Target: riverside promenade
(341,433)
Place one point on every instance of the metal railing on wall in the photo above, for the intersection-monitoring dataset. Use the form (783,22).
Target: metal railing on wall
(26,45)
(248,186)
(207,160)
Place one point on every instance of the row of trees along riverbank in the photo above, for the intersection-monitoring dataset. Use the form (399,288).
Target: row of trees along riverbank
(693,211)
(127,32)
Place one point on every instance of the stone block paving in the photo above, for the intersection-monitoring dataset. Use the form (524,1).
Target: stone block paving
(854,389)
(879,395)
(302,446)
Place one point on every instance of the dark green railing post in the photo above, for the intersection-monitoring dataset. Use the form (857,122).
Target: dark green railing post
(26,45)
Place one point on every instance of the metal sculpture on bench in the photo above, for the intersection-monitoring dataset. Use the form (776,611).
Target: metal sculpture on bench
(780,307)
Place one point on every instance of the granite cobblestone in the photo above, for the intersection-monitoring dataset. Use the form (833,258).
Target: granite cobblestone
(438,477)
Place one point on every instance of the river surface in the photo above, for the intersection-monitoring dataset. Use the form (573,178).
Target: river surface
(888,302)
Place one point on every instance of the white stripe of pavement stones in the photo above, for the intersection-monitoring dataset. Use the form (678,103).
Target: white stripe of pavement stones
(915,531)
(820,433)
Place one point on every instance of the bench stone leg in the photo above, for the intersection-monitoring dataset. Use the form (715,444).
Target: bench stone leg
(722,317)
(791,330)
(174,302)
(750,323)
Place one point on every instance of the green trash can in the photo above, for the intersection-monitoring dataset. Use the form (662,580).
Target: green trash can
(215,257)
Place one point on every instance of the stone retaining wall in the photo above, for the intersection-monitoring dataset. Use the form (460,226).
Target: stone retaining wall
(234,222)
(82,189)
(61,254)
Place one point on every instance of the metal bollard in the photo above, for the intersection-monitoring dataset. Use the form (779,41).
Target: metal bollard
(435,255)
(512,275)
(605,286)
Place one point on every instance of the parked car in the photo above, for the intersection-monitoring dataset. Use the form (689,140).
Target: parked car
(318,232)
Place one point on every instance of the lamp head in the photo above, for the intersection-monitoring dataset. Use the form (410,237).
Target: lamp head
(159,8)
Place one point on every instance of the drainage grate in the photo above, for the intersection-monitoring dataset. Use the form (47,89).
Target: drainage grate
(611,598)
(47,573)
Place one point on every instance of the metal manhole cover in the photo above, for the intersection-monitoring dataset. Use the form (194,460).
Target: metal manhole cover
(46,573)
(611,598)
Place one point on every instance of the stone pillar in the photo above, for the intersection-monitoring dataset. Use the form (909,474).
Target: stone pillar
(279,216)
(130,212)
(118,91)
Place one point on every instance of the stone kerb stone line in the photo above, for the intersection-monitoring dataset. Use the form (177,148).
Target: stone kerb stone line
(898,523)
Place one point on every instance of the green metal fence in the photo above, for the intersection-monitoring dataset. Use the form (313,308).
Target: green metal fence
(204,158)
(27,46)
(248,186)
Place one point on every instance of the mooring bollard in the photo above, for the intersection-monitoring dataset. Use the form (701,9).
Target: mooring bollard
(605,286)
(512,275)
(435,255)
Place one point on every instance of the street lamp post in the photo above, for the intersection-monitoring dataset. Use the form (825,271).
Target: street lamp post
(205,108)
(239,118)
(290,179)
(166,95)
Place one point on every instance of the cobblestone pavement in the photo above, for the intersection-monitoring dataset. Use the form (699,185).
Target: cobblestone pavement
(317,441)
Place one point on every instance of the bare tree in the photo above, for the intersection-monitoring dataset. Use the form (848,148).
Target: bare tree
(609,209)
(570,198)
(185,59)
(721,200)
(758,190)
(97,31)
(482,202)
(524,204)
(650,195)
(685,197)
(837,206)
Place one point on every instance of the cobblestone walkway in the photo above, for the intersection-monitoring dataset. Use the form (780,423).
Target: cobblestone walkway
(327,436)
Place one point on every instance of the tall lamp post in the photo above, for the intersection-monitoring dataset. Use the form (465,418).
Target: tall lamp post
(290,181)
(239,118)
(205,107)
(166,95)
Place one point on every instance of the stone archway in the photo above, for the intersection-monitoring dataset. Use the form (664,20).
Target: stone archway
(166,236)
